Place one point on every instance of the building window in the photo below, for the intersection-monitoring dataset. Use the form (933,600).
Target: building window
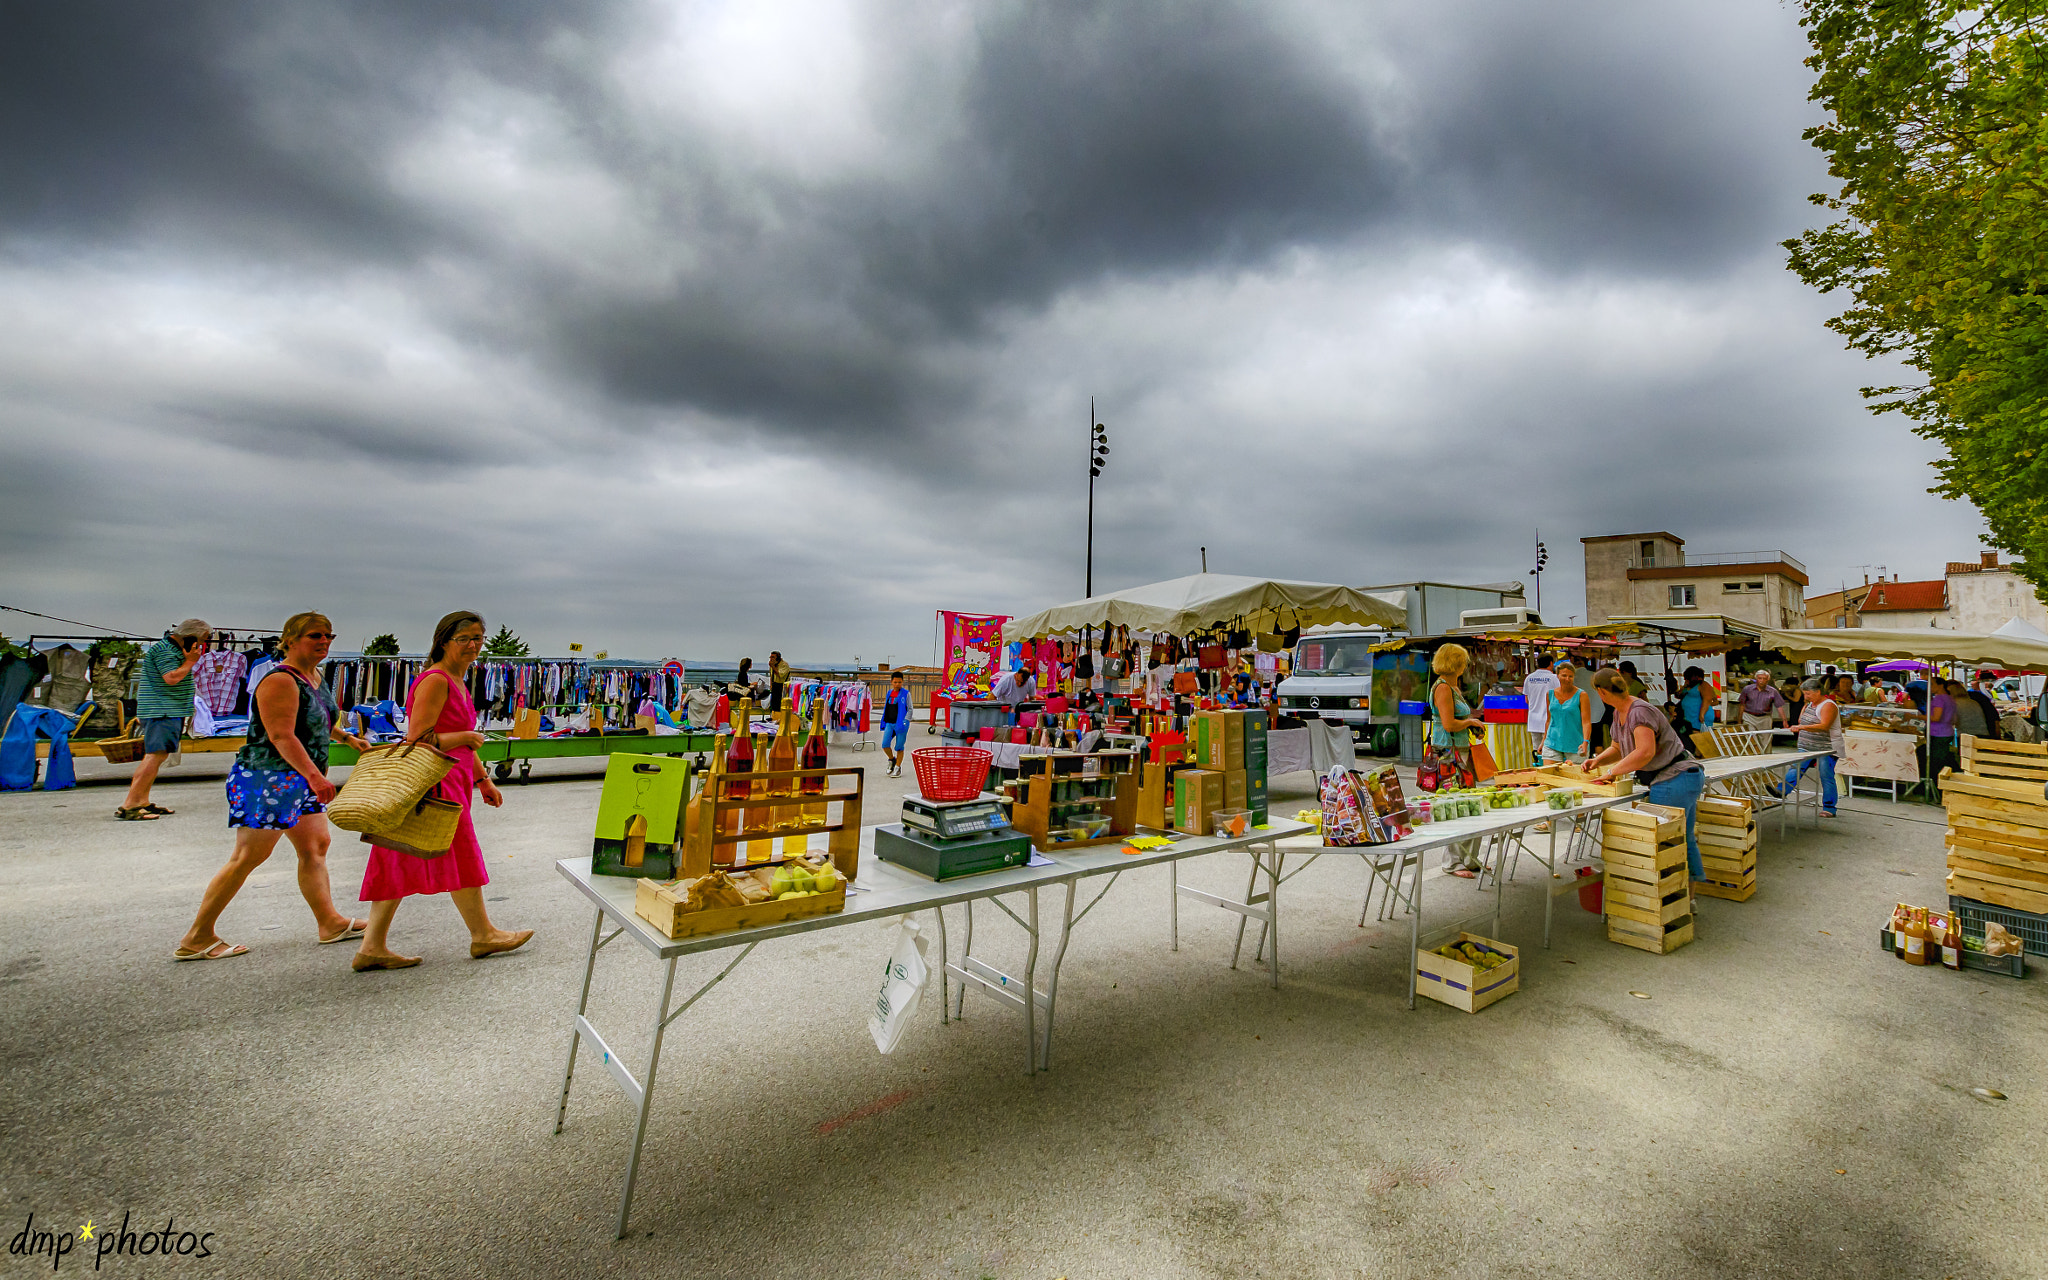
(1752,586)
(1742,588)
(1683,598)
(1731,588)
(1647,553)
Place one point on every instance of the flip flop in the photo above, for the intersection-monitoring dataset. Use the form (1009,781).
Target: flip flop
(140,813)
(209,953)
(1463,873)
(354,930)
(158,810)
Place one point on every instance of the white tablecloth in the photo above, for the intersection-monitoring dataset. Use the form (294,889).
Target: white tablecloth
(1288,751)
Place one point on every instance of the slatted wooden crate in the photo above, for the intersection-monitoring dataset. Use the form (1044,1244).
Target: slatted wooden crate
(1726,829)
(1648,902)
(1998,828)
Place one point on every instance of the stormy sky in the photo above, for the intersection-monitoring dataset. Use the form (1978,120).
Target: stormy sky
(697,329)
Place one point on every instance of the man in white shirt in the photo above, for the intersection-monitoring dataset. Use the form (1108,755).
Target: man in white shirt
(1013,687)
(1537,689)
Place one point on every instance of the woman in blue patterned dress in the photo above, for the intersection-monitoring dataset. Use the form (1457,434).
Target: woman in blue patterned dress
(278,787)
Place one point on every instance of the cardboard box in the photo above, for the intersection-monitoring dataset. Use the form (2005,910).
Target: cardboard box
(1155,795)
(1255,797)
(1234,794)
(1197,795)
(1219,739)
(639,816)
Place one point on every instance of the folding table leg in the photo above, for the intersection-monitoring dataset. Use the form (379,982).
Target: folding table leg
(1173,902)
(582,1007)
(945,1001)
(668,985)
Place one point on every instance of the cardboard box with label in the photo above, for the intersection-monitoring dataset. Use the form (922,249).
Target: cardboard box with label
(1155,795)
(1234,794)
(1197,794)
(1219,739)
(638,814)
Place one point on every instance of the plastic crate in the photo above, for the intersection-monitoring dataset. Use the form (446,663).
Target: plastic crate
(2032,929)
(2010,966)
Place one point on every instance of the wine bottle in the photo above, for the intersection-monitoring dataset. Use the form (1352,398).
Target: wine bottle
(782,756)
(761,848)
(814,747)
(739,759)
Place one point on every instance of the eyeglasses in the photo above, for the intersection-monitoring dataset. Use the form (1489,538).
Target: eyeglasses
(317,635)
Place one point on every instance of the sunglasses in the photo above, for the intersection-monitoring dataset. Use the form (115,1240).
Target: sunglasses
(317,635)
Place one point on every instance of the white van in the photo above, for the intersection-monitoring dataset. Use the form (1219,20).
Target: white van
(1332,679)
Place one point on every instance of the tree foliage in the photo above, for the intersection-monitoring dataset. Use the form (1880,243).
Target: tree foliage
(381,646)
(505,645)
(1938,132)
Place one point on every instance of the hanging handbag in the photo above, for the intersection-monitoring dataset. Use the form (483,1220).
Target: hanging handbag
(1210,657)
(1483,767)
(1186,682)
(387,786)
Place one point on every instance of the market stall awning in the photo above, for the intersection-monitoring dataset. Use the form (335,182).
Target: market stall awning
(1856,644)
(1184,605)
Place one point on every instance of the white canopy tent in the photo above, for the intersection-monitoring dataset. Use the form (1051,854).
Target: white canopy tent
(2017,652)
(1203,600)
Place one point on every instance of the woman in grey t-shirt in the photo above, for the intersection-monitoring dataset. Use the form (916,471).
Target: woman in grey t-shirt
(1646,745)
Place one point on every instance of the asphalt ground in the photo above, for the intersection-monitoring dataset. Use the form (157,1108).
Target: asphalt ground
(1787,1101)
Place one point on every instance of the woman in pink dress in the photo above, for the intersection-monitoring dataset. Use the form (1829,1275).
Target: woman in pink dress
(438,711)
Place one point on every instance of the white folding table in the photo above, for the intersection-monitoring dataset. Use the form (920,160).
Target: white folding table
(882,891)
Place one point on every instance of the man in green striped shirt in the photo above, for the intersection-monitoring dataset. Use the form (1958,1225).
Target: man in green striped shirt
(161,706)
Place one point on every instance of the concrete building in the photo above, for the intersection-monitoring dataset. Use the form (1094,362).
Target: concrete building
(1986,595)
(1637,574)
(1835,608)
(1906,604)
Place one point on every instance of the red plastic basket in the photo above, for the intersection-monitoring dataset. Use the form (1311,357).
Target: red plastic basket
(950,773)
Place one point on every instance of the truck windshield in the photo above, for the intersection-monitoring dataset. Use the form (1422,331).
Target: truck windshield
(1335,657)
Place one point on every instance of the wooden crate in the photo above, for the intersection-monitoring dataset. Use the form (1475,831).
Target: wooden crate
(1626,901)
(660,904)
(1998,826)
(1641,824)
(1658,940)
(1464,986)
(1999,758)
(1566,776)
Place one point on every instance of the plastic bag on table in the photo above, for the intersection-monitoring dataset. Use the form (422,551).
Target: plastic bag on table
(903,983)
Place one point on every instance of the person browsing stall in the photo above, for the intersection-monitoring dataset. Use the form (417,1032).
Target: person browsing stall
(163,702)
(278,786)
(1014,687)
(1647,746)
(1761,702)
(1568,724)
(895,723)
(1450,733)
(1696,701)
(1820,729)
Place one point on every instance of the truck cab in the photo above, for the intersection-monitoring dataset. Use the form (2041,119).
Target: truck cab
(1332,680)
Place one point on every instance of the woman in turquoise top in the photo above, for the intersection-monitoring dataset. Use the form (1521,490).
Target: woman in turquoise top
(1695,703)
(1450,734)
(1571,718)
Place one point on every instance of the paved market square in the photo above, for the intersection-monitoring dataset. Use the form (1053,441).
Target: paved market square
(1779,1098)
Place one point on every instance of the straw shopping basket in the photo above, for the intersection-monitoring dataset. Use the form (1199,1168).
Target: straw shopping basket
(125,748)
(426,830)
(387,787)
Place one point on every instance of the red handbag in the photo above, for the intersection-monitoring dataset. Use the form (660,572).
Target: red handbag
(1211,657)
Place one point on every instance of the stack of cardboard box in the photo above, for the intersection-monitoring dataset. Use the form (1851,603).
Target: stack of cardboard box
(1230,747)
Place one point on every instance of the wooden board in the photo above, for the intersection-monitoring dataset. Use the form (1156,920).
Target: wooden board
(1727,868)
(2002,832)
(1654,860)
(2033,819)
(2003,855)
(1964,885)
(1624,840)
(1720,807)
(1651,911)
(1648,884)
(1711,838)
(1733,890)
(2033,880)
(2029,794)
(1996,758)
(1557,775)
(1657,941)
(659,905)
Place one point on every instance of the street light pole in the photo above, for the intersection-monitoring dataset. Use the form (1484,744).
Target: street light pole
(1098,452)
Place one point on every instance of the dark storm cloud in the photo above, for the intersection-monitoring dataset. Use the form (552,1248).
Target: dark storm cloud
(707,318)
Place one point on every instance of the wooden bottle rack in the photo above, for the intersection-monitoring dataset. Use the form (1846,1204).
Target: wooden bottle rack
(1112,789)
(702,841)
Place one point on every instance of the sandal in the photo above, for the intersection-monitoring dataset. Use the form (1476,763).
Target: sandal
(140,813)
(158,810)
(354,930)
(212,952)
(1464,873)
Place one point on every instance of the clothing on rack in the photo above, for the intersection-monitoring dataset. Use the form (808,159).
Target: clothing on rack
(217,679)
(18,749)
(848,705)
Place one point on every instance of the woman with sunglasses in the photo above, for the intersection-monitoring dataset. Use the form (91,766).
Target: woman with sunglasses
(278,787)
(438,711)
